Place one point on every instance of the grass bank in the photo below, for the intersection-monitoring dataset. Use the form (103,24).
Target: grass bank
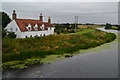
(19,53)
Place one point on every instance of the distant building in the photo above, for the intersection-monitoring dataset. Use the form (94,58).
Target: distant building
(24,28)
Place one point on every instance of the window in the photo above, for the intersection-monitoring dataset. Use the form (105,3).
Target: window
(44,35)
(16,29)
(30,35)
(42,27)
(36,36)
(28,28)
(11,29)
(36,28)
(25,36)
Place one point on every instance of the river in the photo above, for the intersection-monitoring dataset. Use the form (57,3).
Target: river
(99,62)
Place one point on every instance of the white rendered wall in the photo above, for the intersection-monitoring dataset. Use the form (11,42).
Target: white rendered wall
(38,33)
(14,26)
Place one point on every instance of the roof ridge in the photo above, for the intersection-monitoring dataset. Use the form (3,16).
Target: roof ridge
(28,19)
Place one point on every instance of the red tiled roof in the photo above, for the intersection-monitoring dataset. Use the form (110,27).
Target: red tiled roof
(23,23)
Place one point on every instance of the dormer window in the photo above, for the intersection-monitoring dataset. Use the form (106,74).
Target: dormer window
(36,27)
(29,27)
(42,27)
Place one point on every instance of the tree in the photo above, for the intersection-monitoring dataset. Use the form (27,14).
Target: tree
(118,27)
(5,19)
(4,33)
(108,26)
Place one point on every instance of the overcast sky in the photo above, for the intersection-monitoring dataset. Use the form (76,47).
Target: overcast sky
(62,12)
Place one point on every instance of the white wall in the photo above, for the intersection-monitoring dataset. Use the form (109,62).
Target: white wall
(38,33)
(13,25)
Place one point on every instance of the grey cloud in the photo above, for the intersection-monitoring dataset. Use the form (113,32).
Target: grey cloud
(94,12)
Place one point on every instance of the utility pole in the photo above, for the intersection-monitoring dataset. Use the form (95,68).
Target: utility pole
(76,22)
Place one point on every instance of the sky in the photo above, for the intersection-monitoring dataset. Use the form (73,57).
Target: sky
(65,12)
(60,0)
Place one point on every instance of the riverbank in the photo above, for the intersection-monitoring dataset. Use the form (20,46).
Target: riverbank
(37,50)
(98,62)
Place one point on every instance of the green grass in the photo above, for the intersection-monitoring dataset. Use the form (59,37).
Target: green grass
(41,47)
(84,31)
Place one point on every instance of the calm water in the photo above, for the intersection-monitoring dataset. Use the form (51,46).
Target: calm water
(99,62)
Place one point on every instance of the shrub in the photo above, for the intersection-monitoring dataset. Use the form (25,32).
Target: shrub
(11,35)
(108,26)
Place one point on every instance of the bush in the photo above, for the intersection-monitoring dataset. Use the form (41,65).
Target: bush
(108,26)
(11,35)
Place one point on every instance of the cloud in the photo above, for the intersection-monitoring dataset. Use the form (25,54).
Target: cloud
(94,12)
(60,0)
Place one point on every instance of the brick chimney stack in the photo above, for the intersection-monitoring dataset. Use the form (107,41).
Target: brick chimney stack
(41,17)
(14,15)
(49,20)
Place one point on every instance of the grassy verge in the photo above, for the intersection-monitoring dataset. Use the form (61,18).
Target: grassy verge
(82,31)
(89,26)
(19,53)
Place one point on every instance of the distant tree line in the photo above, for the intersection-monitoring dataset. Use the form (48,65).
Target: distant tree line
(65,28)
(60,27)
(108,26)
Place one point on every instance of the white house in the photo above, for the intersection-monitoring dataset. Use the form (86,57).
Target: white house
(24,28)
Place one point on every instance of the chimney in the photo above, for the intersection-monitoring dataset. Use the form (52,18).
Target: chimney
(41,17)
(49,20)
(14,16)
